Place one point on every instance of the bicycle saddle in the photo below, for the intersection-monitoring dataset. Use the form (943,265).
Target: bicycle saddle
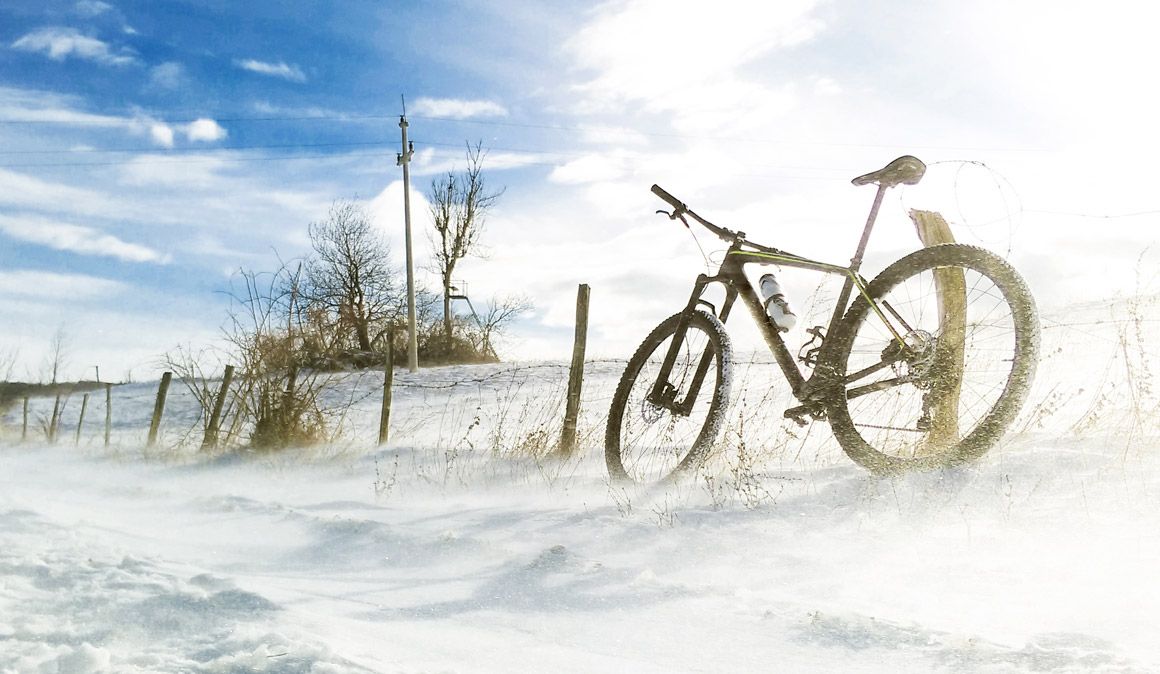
(906,170)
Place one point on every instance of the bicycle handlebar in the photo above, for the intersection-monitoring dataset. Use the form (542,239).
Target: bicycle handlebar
(680,209)
(670,199)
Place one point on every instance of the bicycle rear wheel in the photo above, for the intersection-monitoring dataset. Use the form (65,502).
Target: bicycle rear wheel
(652,440)
(945,393)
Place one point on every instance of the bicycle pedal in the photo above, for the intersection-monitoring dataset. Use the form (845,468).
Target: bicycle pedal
(799,415)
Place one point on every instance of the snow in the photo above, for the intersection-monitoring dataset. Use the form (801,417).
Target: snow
(457,549)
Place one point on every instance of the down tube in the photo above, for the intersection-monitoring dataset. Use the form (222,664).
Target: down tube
(772,339)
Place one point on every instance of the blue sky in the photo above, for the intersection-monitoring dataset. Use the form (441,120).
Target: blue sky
(150,149)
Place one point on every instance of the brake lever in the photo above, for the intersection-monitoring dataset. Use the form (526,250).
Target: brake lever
(675,215)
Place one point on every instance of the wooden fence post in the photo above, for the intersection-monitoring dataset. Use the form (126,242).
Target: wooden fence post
(158,408)
(210,440)
(388,383)
(951,292)
(54,421)
(576,373)
(108,412)
(24,427)
(81,420)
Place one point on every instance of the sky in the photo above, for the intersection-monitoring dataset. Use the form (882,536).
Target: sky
(150,150)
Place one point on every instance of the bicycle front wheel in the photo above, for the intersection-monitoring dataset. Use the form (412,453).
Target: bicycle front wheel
(652,438)
(943,386)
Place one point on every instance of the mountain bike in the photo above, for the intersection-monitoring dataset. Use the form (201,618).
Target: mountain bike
(924,368)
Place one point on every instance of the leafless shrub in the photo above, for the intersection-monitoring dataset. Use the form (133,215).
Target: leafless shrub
(278,397)
(197,370)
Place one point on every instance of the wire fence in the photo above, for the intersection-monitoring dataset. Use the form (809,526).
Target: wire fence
(511,405)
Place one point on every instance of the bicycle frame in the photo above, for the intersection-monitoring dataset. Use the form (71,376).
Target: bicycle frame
(732,277)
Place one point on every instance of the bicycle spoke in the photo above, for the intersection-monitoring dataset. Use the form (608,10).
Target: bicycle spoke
(654,437)
(922,408)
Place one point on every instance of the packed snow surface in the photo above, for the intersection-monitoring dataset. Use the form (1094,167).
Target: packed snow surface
(460,547)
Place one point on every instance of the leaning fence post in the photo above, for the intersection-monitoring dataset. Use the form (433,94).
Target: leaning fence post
(576,372)
(81,420)
(388,383)
(54,421)
(211,430)
(158,408)
(24,427)
(951,292)
(108,412)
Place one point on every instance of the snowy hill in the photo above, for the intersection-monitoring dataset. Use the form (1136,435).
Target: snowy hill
(460,548)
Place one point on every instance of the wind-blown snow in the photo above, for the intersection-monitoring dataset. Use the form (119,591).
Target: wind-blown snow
(452,550)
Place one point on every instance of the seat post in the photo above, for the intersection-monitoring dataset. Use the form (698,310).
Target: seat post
(856,261)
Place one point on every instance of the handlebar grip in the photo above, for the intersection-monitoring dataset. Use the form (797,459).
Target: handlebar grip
(670,199)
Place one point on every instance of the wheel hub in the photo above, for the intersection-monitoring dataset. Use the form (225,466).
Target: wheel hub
(917,358)
(651,413)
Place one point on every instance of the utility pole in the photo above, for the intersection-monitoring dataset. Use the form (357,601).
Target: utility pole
(404,160)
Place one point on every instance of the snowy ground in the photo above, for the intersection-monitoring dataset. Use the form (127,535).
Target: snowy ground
(453,550)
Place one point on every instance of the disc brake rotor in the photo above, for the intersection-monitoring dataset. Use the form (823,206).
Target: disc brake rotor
(651,413)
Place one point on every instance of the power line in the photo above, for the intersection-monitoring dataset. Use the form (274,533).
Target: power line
(1097,216)
(161,159)
(126,121)
(525,125)
(195,150)
(204,156)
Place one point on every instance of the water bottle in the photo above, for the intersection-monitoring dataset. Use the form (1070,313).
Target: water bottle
(775,305)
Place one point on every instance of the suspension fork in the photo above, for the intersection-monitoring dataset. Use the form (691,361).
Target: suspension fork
(664,393)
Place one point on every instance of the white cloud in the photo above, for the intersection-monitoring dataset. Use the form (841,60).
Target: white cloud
(386,210)
(205,130)
(161,134)
(604,134)
(631,50)
(824,86)
(26,104)
(76,239)
(589,169)
(428,162)
(194,171)
(268,108)
(91,8)
(60,43)
(169,75)
(281,69)
(29,192)
(49,285)
(458,108)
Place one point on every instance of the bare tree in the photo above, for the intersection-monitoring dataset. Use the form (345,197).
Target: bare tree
(500,313)
(460,202)
(349,276)
(58,353)
(8,359)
